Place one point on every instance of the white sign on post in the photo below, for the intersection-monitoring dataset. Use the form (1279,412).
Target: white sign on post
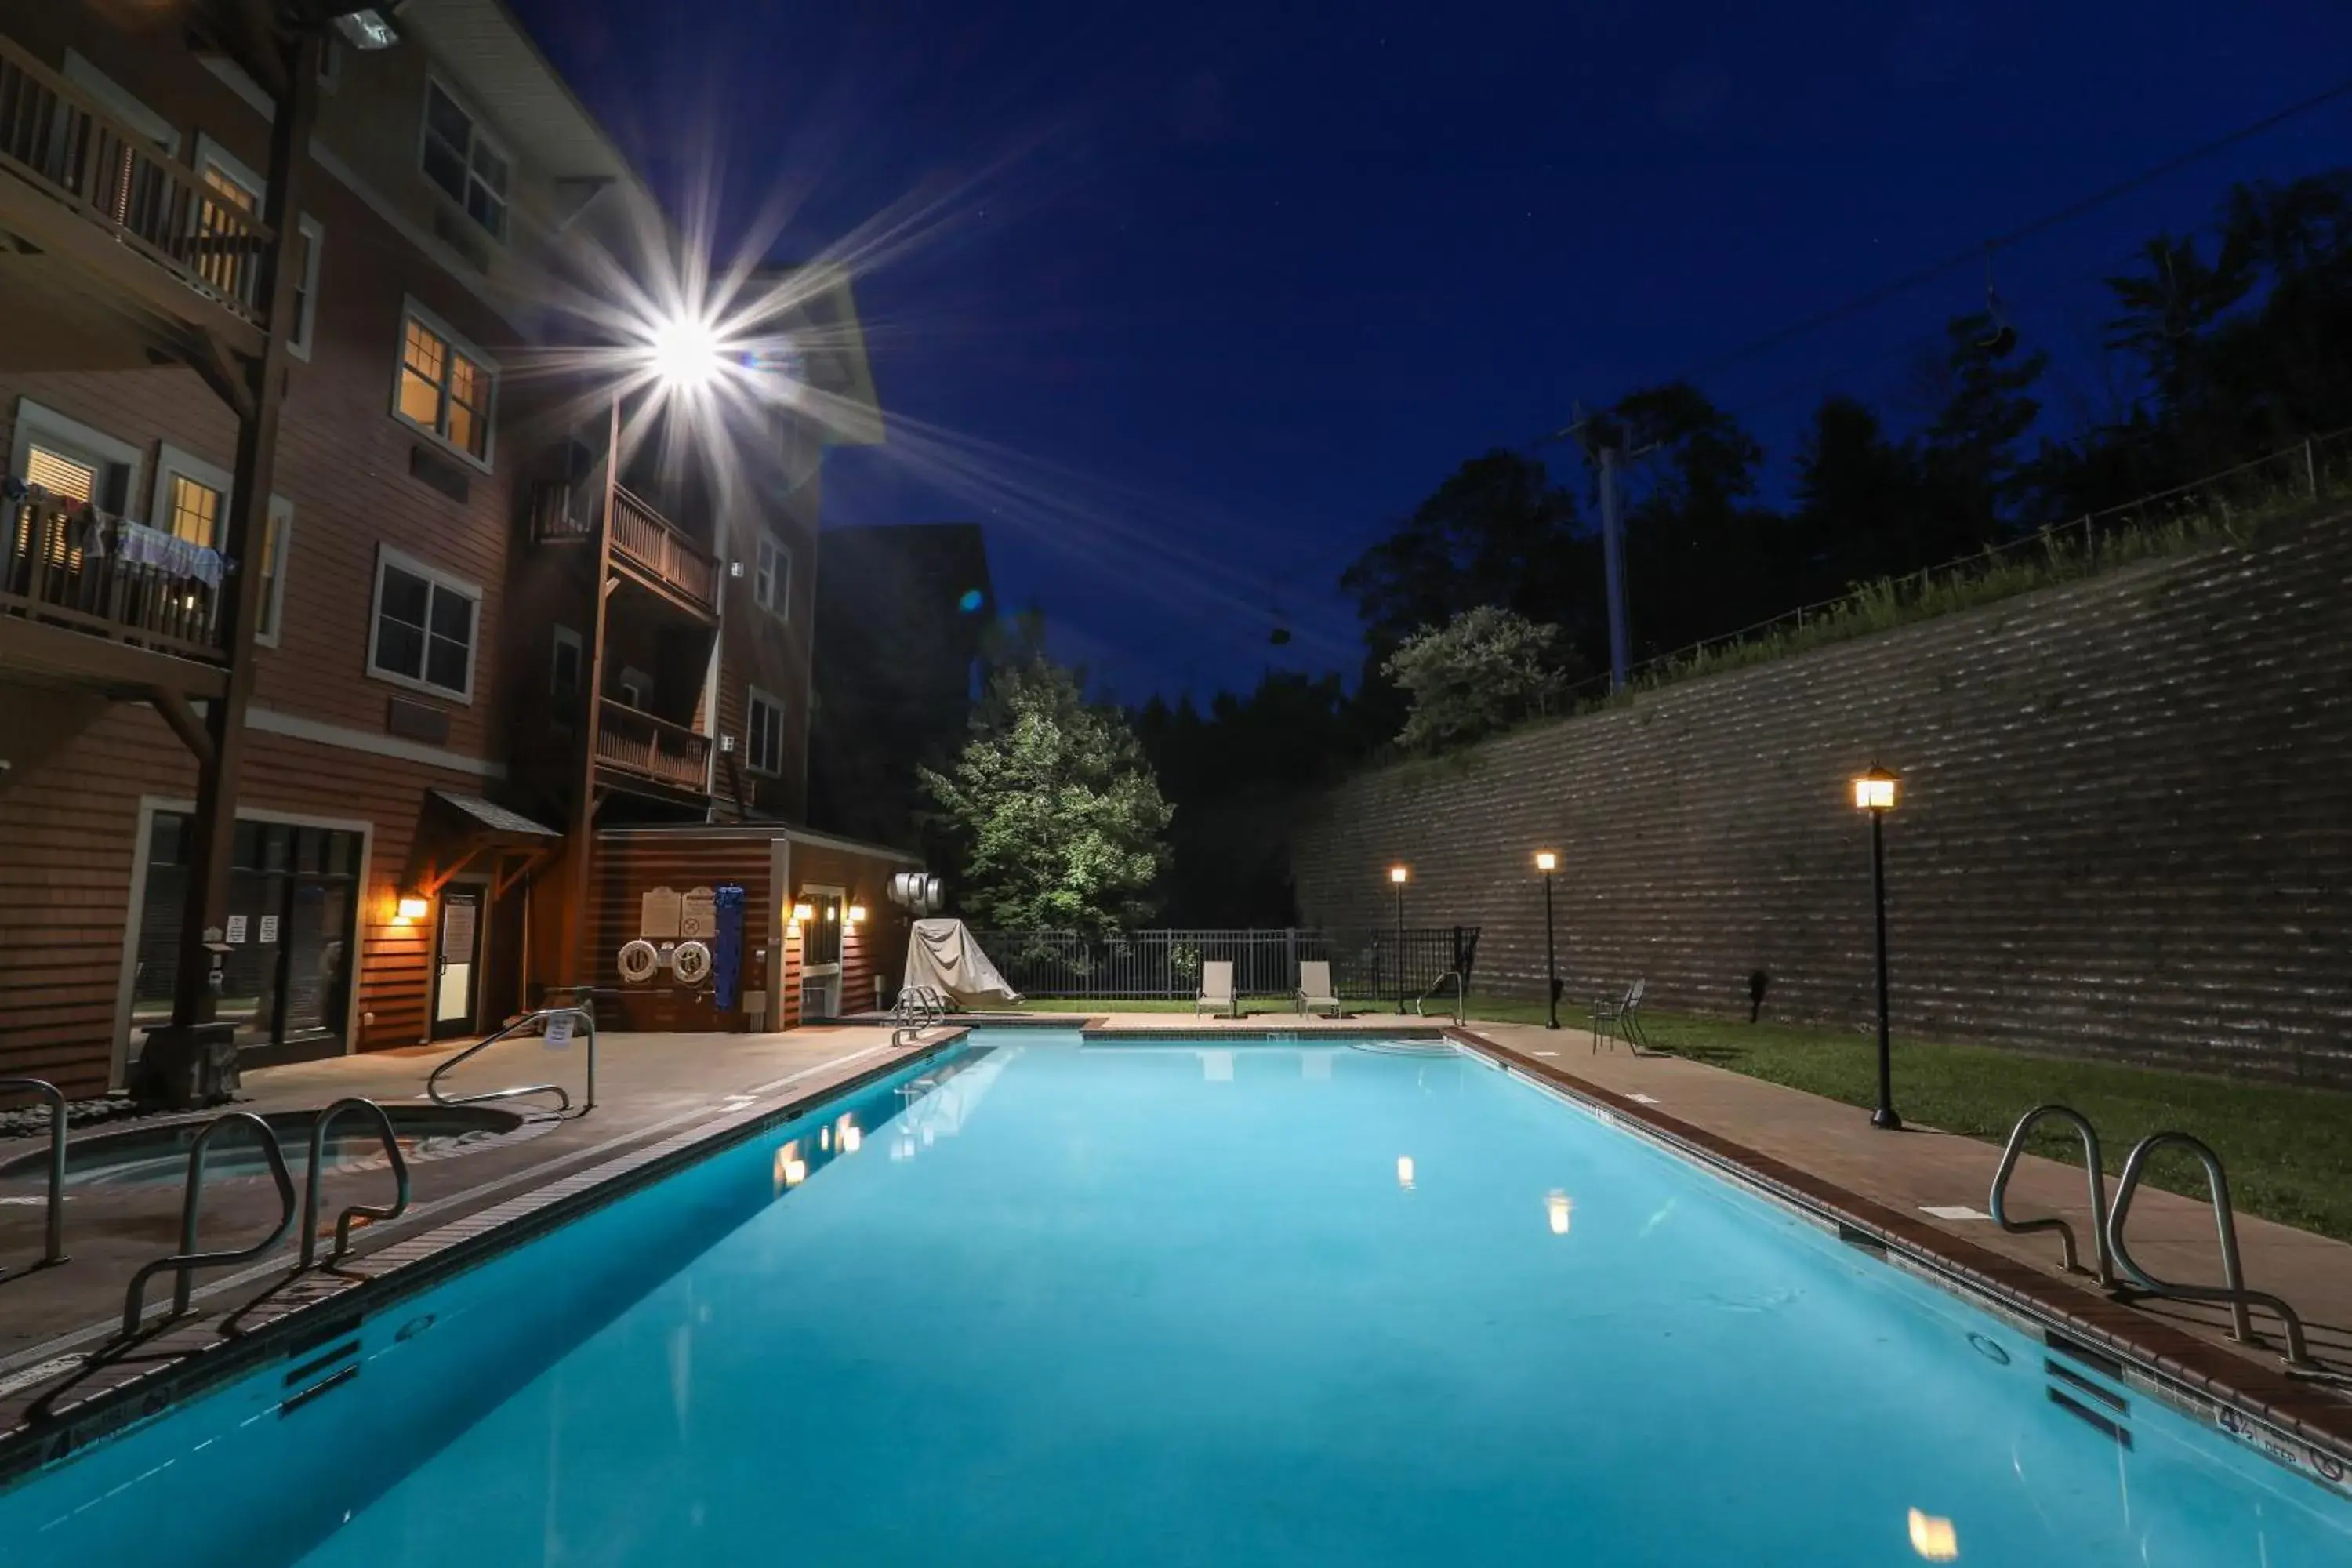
(559,1031)
(268,930)
(235,930)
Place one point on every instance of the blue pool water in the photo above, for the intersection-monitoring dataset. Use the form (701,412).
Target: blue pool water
(1177,1303)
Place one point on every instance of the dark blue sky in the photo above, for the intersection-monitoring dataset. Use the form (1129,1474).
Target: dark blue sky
(1189,304)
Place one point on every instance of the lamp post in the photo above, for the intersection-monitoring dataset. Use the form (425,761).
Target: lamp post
(1547,862)
(1874,794)
(1398,877)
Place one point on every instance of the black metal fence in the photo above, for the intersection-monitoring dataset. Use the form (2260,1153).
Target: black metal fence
(1153,965)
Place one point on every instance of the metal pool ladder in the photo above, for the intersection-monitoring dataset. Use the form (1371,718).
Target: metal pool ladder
(2233,1287)
(357,1211)
(1461,1001)
(564,1097)
(188,1259)
(53,1245)
(2108,1226)
(2009,1158)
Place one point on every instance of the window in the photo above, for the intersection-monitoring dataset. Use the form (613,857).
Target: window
(191,499)
(67,458)
(424,626)
(462,161)
(772,584)
(564,677)
(274,542)
(306,288)
(764,747)
(635,687)
(446,386)
(233,271)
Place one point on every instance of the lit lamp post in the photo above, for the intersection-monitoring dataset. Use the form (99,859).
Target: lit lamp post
(1547,862)
(1874,793)
(1398,877)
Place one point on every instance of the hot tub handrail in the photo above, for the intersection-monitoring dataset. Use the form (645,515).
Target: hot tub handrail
(188,1259)
(1997,1201)
(563,1098)
(53,1246)
(2233,1290)
(318,1169)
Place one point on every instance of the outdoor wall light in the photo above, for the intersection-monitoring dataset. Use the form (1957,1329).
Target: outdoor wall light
(1875,790)
(802,914)
(856,915)
(413,907)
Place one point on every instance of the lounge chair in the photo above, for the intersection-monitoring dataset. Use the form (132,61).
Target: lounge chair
(1315,991)
(1216,995)
(1621,1018)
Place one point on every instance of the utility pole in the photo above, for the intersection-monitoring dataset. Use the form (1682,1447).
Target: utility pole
(1613,563)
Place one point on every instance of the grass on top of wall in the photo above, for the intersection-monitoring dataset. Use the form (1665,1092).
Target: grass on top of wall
(2288,1150)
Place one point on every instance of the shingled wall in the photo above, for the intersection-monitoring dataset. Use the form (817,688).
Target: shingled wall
(2125,830)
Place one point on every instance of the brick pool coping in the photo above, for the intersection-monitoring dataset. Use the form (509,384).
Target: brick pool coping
(2297,1423)
(51,1418)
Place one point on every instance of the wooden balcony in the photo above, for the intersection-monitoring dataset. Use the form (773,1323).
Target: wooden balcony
(653,750)
(671,562)
(87,596)
(646,546)
(118,247)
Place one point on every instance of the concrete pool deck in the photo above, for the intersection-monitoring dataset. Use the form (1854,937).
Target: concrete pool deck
(657,1087)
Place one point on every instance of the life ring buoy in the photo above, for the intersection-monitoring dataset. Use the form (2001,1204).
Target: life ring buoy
(690,963)
(638,960)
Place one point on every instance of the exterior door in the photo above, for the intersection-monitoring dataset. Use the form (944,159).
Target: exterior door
(821,957)
(458,965)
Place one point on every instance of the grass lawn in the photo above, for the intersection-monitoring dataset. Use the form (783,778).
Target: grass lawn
(2288,1150)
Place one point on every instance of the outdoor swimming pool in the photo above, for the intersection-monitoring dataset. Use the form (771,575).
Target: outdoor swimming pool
(1193,1302)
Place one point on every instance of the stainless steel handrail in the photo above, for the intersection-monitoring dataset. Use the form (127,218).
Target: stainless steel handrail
(1461,1000)
(2233,1286)
(2009,1158)
(318,1169)
(188,1259)
(53,1247)
(562,1096)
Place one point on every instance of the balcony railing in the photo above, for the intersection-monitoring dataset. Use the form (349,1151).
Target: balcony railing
(62,142)
(650,748)
(647,542)
(75,566)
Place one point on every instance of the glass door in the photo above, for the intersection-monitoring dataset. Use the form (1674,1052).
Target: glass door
(457,966)
(821,956)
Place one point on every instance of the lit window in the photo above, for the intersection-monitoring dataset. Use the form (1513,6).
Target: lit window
(764,747)
(772,584)
(60,474)
(193,513)
(463,161)
(425,624)
(444,389)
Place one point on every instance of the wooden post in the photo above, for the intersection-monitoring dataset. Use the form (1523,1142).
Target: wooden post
(195,1037)
(571,973)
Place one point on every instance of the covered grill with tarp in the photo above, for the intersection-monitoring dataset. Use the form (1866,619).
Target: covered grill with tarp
(942,954)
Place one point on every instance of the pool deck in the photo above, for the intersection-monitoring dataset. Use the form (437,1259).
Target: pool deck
(655,1088)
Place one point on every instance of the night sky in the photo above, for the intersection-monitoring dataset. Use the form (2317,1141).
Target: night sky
(1189,304)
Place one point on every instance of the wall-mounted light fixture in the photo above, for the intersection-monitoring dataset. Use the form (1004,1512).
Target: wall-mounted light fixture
(413,907)
(857,914)
(802,914)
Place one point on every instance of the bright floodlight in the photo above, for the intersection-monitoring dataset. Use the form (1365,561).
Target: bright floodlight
(685,351)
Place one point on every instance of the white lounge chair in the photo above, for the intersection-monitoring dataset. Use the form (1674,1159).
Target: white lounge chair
(1315,993)
(1217,990)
